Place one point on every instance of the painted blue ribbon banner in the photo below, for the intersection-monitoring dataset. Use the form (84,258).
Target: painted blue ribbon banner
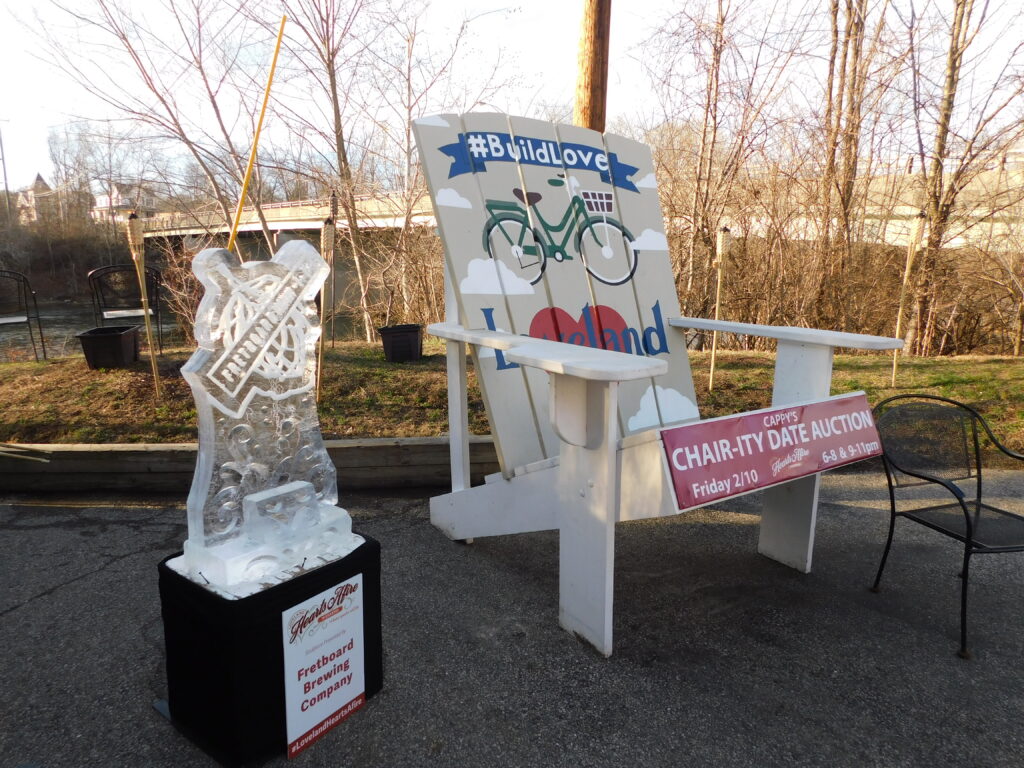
(474,150)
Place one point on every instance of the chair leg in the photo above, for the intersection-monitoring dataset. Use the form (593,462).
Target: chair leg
(42,339)
(885,554)
(32,338)
(963,653)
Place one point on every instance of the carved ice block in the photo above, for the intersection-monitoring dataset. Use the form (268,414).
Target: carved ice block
(263,499)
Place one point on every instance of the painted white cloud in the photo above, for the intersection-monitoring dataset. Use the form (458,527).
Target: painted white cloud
(675,407)
(451,198)
(435,120)
(482,278)
(650,240)
(647,182)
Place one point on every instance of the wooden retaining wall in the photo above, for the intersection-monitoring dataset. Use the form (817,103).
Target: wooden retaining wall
(362,464)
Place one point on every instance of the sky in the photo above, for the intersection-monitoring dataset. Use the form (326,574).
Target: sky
(541,37)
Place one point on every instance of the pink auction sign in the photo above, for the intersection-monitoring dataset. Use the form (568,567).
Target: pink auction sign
(733,455)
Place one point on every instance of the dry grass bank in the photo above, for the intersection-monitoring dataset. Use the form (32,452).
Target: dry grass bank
(62,401)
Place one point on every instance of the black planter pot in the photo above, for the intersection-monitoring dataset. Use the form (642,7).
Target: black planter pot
(402,343)
(112,346)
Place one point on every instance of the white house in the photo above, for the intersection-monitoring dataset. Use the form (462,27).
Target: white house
(115,201)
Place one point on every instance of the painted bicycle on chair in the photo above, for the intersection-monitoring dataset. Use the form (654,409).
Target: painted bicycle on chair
(605,246)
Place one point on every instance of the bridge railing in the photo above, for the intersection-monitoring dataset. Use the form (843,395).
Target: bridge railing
(213,221)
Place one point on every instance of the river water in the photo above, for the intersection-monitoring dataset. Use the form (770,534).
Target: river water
(61,324)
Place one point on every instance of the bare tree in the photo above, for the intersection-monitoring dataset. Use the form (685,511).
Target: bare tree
(325,49)
(960,131)
(859,71)
(145,68)
(412,78)
(740,56)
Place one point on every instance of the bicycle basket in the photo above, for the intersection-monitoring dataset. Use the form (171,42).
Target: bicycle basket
(598,201)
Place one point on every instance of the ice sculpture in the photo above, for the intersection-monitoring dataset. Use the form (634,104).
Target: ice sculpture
(263,504)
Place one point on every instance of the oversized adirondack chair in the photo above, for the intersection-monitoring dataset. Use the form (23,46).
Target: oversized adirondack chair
(554,234)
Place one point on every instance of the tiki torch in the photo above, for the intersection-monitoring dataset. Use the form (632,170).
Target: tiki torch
(722,248)
(137,246)
(916,232)
(327,235)
(334,283)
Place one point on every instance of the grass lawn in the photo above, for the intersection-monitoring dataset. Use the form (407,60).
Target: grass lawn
(62,401)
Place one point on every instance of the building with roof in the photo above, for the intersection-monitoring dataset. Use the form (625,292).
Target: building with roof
(115,201)
(37,202)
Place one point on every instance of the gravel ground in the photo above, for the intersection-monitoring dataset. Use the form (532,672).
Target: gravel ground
(722,657)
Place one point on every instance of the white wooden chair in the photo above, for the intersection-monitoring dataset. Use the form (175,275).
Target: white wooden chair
(552,234)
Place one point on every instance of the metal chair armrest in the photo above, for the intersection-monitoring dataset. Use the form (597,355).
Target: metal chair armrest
(951,487)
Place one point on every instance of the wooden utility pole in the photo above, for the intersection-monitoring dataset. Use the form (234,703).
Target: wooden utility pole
(592,68)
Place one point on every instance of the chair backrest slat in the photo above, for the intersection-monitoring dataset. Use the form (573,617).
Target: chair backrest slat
(928,436)
(14,293)
(117,287)
(555,231)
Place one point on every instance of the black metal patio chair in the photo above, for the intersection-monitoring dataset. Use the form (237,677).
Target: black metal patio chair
(929,440)
(18,305)
(116,296)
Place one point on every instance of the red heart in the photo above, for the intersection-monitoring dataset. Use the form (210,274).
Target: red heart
(598,326)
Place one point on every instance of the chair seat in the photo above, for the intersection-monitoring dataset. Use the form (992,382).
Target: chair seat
(994,529)
(110,314)
(13,319)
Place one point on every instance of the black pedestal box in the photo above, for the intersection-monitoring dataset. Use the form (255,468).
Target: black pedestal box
(225,658)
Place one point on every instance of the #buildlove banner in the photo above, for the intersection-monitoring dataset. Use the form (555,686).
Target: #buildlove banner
(733,455)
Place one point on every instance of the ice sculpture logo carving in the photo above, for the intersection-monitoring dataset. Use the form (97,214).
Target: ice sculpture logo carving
(263,328)
(264,495)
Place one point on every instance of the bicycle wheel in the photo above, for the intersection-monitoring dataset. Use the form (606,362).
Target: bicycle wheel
(607,250)
(511,240)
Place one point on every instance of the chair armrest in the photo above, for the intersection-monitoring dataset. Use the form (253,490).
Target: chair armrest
(790,333)
(995,441)
(502,340)
(951,487)
(1008,452)
(557,357)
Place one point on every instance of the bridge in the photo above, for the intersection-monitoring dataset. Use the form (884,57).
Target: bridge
(990,214)
(373,212)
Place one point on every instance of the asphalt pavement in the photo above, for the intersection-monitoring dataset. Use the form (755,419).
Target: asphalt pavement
(722,657)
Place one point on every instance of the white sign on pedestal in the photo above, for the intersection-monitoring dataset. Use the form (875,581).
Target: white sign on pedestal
(324,662)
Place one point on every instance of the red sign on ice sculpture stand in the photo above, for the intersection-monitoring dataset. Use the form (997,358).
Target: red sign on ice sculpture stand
(733,455)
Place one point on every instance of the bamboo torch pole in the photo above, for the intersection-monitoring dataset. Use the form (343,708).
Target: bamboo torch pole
(327,235)
(722,248)
(916,232)
(331,276)
(137,246)
(256,140)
